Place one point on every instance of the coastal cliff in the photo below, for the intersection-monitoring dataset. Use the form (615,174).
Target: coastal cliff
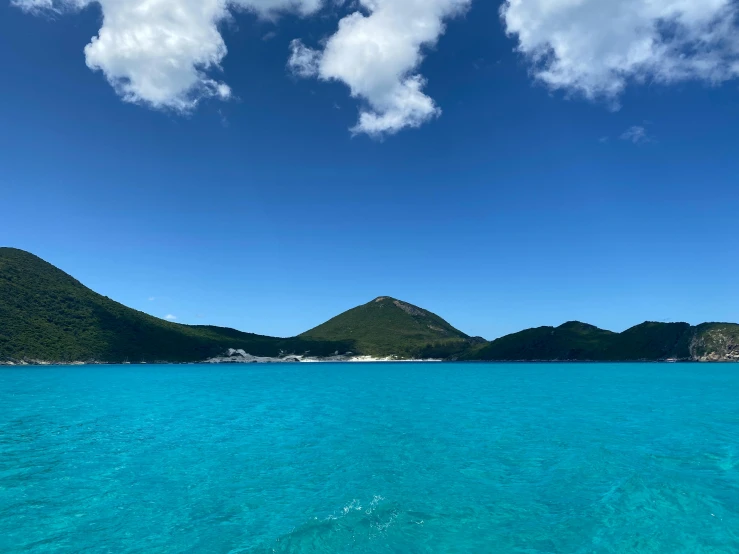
(715,342)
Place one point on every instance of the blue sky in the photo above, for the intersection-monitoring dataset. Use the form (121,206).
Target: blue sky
(505,191)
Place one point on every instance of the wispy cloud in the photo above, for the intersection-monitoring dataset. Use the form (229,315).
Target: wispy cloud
(636,134)
(152,298)
(170,317)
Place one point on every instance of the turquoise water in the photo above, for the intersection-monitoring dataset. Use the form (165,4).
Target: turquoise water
(365,458)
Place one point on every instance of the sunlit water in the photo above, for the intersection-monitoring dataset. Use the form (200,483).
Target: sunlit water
(522,458)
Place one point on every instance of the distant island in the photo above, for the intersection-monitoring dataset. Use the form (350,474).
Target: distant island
(47,316)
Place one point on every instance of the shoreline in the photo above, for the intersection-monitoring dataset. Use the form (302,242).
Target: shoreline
(352,359)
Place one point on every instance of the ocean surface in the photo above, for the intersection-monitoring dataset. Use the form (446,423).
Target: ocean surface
(370,458)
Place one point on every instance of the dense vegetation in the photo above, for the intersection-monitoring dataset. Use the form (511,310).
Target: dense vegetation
(389,327)
(47,315)
(570,341)
(647,341)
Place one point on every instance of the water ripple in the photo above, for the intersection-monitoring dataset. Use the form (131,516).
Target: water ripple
(519,458)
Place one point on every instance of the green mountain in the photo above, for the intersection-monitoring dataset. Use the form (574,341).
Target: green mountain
(652,341)
(47,315)
(647,341)
(389,327)
(570,341)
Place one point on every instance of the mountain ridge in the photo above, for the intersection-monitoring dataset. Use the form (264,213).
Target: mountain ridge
(46,315)
(647,341)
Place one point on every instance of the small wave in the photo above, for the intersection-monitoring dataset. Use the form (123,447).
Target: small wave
(375,501)
(350,527)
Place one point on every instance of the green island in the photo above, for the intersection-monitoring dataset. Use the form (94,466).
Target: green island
(47,316)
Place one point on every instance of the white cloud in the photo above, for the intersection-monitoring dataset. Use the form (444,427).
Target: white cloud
(167,53)
(152,298)
(33,5)
(596,47)
(170,317)
(162,53)
(636,134)
(303,61)
(377,55)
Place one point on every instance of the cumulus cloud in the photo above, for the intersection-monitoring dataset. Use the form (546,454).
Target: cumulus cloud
(596,47)
(170,317)
(376,53)
(167,53)
(162,53)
